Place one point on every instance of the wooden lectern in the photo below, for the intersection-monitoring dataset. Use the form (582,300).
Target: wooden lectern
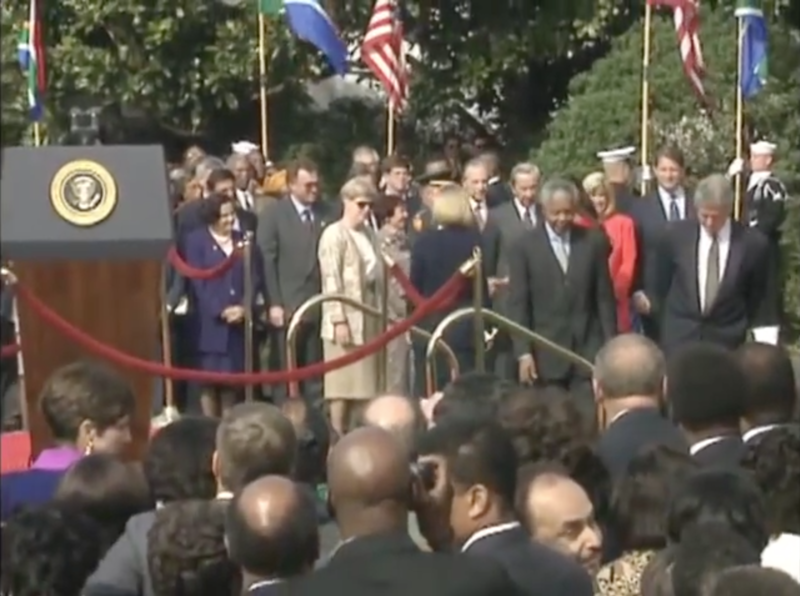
(86,230)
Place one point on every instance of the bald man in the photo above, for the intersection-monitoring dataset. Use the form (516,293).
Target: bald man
(397,414)
(558,513)
(271,532)
(629,377)
(370,484)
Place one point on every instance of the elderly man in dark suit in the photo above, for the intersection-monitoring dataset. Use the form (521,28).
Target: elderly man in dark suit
(669,202)
(504,225)
(710,274)
(629,377)
(560,287)
(288,236)
(707,390)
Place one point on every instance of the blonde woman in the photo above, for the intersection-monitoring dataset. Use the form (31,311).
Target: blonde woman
(621,232)
(350,264)
(436,255)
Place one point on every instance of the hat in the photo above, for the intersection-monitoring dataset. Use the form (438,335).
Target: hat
(763,148)
(438,172)
(616,155)
(244,147)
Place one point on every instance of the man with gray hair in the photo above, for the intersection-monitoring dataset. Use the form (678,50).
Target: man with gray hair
(504,224)
(560,287)
(629,377)
(710,274)
(398,415)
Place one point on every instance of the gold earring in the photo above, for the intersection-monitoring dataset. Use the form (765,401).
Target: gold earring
(89,447)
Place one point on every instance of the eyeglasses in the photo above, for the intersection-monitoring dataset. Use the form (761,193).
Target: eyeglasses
(363,204)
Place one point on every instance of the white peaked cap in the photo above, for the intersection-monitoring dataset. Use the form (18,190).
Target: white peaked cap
(616,155)
(244,147)
(763,148)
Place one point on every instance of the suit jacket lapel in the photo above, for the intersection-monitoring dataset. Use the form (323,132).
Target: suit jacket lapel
(547,250)
(734,262)
(576,247)
(690,250)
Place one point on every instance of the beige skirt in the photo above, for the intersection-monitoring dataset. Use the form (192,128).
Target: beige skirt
(358,380)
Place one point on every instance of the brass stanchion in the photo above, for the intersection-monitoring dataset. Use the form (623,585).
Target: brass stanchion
(169,412)
(645,132)
(319,299)
(508,325)
(249,304)
(738,181)
(479,321)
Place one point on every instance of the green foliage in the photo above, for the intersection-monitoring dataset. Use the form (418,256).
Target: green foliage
(604,110)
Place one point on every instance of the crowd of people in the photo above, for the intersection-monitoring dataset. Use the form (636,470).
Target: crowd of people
(686,483)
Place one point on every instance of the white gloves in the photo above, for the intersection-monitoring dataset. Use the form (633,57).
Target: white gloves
(736,167)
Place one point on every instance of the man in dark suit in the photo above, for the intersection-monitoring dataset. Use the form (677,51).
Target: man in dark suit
(707,390)
(472,508)
(504,225)
(653,213)
(629,379)
(771,389)
(288,236)
(371,487)
(560,287)
(710,274)
(498,192)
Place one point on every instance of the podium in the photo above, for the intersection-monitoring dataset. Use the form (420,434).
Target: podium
(86,230)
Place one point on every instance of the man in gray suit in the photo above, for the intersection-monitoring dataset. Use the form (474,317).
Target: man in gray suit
(504,224)
(287,234)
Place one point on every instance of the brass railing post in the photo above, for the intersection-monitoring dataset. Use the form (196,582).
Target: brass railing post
(478,320)
(249,305)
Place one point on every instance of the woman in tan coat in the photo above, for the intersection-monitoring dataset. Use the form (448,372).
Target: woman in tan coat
(350,264)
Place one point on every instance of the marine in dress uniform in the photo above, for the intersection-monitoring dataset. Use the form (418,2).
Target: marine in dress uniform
(436,175)
(764,209)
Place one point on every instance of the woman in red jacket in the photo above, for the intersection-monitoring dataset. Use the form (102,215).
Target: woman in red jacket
(621,232)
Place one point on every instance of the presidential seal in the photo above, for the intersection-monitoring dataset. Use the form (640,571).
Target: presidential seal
(83,193)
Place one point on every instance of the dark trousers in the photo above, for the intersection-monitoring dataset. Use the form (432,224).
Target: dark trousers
(308,346)
(501,358)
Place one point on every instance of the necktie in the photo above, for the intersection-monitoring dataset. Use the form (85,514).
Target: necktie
(561,253)
(307,218)
(527,219)
(712,275)
(674,212)
(478,211)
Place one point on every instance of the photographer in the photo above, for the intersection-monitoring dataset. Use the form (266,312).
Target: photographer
(470,507)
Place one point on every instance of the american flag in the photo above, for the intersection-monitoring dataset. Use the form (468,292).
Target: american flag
(382,51)
(687,27)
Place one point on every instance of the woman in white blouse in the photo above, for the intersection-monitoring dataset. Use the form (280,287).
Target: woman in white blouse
(350,264)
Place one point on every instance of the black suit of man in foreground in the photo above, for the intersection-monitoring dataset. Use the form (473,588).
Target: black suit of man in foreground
(370,484)
(560,287)
(711,274)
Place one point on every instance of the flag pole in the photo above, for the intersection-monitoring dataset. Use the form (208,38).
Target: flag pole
(37,134)
(738,181)
(262,83)
(645,133)
(390,128)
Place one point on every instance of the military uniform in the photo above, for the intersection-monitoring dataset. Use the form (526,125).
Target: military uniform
(764,209)
(437,173)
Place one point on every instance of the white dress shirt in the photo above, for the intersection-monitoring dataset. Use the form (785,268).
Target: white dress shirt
(522,210)
(302,209)
(486,532)
(703,246)
(245,199)
(666,201)
(757,431)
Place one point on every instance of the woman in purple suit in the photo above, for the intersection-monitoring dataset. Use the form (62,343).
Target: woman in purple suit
(217,305)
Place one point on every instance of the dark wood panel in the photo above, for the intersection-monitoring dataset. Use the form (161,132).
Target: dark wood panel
(116,302)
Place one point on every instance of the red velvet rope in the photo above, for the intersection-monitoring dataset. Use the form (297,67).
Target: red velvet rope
(9,350)
(408,288)
(120,358)
(187,270)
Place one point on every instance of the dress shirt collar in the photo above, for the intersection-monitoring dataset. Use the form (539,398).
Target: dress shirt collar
(301,208)
(477,205)
(758,430)
(493,180)
(486,532)
(700,445)
(677,194)
(522,209)
(263,584)
(619,415)
(554,237)
(724,234)
(224,495)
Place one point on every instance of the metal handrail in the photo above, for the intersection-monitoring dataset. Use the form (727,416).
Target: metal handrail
(507,325)
(319,299)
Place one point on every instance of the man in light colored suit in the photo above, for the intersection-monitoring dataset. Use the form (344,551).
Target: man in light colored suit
(287,234)
(505,223)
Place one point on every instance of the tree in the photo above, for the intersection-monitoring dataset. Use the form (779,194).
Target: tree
(603,111)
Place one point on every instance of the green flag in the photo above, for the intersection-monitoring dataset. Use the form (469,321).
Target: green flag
(270,7)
